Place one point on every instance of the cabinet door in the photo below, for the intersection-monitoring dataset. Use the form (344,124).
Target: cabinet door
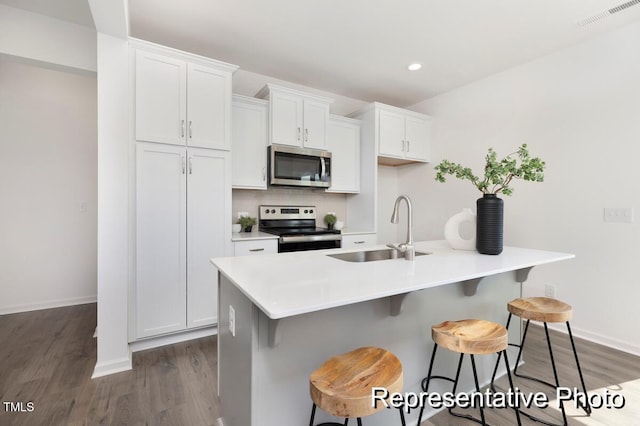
(249,146)
(343,141)
(253,247)
(286,119)
(358,241)
(391,134)
(160,239)
(316,117)
(160,98)
(208,103)
(417,135)
(208,230)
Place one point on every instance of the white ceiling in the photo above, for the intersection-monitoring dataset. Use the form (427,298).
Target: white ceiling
(361,48)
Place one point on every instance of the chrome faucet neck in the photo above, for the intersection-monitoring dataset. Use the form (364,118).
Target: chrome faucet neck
(408,247)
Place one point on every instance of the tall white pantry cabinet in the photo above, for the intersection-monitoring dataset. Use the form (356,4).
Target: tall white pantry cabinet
(182,137)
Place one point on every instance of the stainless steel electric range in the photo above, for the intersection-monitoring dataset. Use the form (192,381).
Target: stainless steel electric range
(297,229)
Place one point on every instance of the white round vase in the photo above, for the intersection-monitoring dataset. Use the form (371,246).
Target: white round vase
(452,230)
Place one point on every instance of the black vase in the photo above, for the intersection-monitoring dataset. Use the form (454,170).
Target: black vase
(489,228)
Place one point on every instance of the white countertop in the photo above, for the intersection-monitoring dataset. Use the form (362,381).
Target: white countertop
(288,284)
(253,235)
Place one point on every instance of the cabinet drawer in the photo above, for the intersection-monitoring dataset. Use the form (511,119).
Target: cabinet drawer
(244,248)
(358,241)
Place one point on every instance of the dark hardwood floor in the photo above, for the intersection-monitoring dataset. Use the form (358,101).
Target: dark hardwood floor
(47,358)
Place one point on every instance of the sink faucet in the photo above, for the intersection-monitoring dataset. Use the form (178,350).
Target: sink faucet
(407,248)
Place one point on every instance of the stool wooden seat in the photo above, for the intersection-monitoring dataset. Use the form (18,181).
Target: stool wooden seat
(471,336)
(342,385)
(543,309)
(468,337)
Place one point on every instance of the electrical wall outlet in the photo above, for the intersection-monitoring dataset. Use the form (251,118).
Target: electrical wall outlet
(232,321)
(619,215)
(241,214)
(549,290)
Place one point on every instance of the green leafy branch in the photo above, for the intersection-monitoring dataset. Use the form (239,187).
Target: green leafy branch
(498,174)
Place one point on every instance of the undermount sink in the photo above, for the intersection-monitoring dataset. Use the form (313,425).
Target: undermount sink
(372,255)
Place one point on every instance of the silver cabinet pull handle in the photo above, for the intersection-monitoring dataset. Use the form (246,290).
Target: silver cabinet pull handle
(298,133)
(183,165)
(257,249)
(408,146)
(190,130)
(403,146)
(264,174)
(306,135)
(182,129)
(190,166)
(358,242)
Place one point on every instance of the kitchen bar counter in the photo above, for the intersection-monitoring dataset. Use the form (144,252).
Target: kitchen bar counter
(287,284)
(282,315)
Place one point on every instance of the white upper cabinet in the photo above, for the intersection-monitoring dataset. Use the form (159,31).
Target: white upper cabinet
(249,142)
(296,118)
(161,87)
(208,107)
(417,131)
(343,141)
(182,99)
(401,136)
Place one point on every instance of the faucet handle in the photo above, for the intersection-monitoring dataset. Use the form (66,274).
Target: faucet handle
(401,247)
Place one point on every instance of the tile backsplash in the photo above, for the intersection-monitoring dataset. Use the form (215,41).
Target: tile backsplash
(246,200)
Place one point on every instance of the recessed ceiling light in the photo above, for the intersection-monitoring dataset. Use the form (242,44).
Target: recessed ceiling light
(414,67)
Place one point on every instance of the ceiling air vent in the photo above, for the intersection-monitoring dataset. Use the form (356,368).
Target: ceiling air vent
(599,16)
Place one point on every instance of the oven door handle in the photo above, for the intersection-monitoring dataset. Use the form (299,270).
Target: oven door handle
(310,238)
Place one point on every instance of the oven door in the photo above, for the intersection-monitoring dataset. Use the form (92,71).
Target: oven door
(309,242)
(293,166)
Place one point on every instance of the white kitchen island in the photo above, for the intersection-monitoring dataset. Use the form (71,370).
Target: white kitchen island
(294,310)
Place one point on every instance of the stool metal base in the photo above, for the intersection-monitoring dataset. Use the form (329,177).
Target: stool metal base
(346,421)
(427,380)
(586,407)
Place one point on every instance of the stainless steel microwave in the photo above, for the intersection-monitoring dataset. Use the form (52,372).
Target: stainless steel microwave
(302,167)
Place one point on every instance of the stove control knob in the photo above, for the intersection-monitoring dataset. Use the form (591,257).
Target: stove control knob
(306,211)
(310,211)
(273,210)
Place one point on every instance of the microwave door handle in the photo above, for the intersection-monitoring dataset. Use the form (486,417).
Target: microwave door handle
(323,169)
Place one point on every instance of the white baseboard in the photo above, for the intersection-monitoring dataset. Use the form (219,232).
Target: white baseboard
(155,342)
(598,338)
(48,304)
(112,367)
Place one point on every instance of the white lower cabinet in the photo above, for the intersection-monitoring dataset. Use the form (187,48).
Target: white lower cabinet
(183,199)
(359,240)
(251,247)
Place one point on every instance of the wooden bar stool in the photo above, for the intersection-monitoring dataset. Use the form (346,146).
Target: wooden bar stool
(473,337)
(545,310)
(342,385)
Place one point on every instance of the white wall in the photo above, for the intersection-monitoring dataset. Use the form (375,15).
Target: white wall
(60,44)
(579,110)
(48,187)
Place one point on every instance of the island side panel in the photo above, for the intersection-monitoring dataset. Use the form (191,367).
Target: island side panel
(235,354)
(281,373)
